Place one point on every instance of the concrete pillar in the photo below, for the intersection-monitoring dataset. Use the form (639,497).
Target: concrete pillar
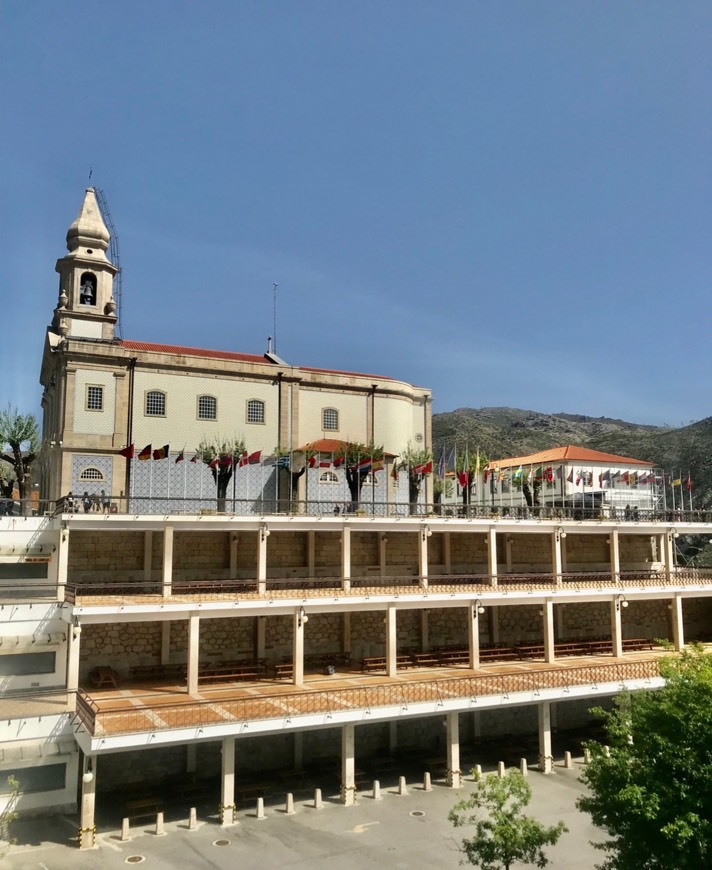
(191,757)
(147,556)
(494,623)
(556,561)
(234,539)
(617,627)
(454,774)
(546,762)
(346,556)
(87,828)
(614,545)
(165,642)
(298,622)
(73,640)
(311,553)
(382,553)
(425,630)
(193,653)
(492,555)
(669,556)
(262,536)
(447,552)
(260,640)
(564,554)
(346,638)
(678,629)
(391,642)
(59,563)
(549,639)
(227,792)
(423,534)
(508,553)
(473,634)
(167,565)
(348,766)
(298,750)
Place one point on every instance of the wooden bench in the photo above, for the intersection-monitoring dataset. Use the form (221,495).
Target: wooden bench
(143,808)
(245,669)
(104,676)
(283,669)
(532,651)
(454,656)
(373,663)
(498,654)
(636,644)
(426,659)
(142,673)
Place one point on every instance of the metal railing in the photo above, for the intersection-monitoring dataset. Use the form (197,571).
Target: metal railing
(200,713)
(472,585)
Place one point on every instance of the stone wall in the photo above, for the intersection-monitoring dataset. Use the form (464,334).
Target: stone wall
(120,645)
(468,553)
(635,551)
(368,634)
(327,553)
(447,626)
(531,553)
(402,552)
(198,555)
(587,553)
(278,637)
(93,555)
(650,619)
(585,620)
(520,624)
(364,550)
(697,615)
(287,553)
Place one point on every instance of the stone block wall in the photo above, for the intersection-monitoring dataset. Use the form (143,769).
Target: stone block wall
(364,549)
(327,552)
(285,552)
(468,553)
(197,554)
(247,554)
(324,633)
(531,553)
(120,645)
(97,556)
(447,626)
(635,551)
(697,615)
(402,552)
(587,553)
(520,624)
(649,619)
(585,620)
(408,629)
(368,634)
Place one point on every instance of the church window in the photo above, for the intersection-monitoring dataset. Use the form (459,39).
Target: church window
(207,408)
(87,289)
(329,477)
(330,419)
(95,398)
(91,474)
(255,411)
(155,404)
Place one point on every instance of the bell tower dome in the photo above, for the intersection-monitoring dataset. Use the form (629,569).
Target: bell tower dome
(86,307)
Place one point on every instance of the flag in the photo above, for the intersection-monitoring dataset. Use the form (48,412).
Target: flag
(254,458)
(394,471)
(549,475)
(377,464)
(559,472)
(195,458)
(311,462)
(325,460)
(283,462)
(539,473)
(676,482)
(225,460)
(518,473)
(161,452)
(214,462)
(145,453)
(625,477)
(243,459)
(570,478)
(441,462)
(463,477)
(127,452)
(633,478)
(450,461)
(339,461)
(485,476)
(688,484)
(364,466)
(180,457)
(423,468)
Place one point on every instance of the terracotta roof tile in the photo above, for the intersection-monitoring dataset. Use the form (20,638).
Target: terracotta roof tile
(569,453)
(194,351)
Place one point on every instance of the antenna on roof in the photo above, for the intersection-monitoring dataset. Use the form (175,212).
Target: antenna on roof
(113,251)
(90,172)
(274,315)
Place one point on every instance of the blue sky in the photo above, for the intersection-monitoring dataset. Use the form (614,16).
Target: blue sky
(509,202)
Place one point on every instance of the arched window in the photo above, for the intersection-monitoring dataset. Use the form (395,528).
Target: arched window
(207,408)
(155,403)
(328,477)
(87,289)
(255,411)
(91,474)
(330,419)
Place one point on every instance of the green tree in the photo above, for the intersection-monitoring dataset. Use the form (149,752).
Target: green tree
(354,452)
(653,795)
(221,456)
(19,443)
(503,834)
(9,814)
(419,464)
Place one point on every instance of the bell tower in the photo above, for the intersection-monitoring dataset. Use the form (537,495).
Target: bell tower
(86,307)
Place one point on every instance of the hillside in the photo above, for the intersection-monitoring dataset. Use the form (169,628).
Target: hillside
(500,432)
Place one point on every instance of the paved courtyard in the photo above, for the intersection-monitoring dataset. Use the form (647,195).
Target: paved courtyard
(410,831)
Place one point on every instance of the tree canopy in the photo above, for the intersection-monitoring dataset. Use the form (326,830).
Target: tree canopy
(19,444)
(503,834)
(653,795)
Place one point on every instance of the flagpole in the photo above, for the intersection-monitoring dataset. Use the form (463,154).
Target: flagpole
(185,484)
(672,487)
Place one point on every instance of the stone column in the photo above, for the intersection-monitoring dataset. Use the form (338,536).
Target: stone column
(454,774)
(549,637)
(425,630)
(260,641)
(447,552)
(669,556)
(87,828)
(391,642)
(193,653)
(492,555)
(262,536)
(73,639)
(167,567)
(615,555)
(59,563)
(147,557)
(546,762)
(616,627)
(382,554)
(311,553)
(423,535)
(227,793)
(348,766)
(556,559)
(298,621)
(473,634)
(346,557)
(234,540)
(165,642)
(678,628)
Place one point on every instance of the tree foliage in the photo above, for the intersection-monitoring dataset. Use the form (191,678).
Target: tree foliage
(414,460)
(19,444)
(503,834)
(223,449)
(354,452)
(653,795)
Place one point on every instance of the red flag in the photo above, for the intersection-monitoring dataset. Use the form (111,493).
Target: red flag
(214,462)
(225,460)
(180,457)
(195,458)
(462,477)
(127,452)
(428,467)
(325,462)
(339,461)
(243,459)
(688,485)
(145,453)
(312,462)
(161,452)
(254,458)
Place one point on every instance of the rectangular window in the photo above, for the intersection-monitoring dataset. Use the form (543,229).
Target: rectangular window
(155,404)
(330,419)
(95,398)
(207,408)
(23,664)
(255,411)
(41,777)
